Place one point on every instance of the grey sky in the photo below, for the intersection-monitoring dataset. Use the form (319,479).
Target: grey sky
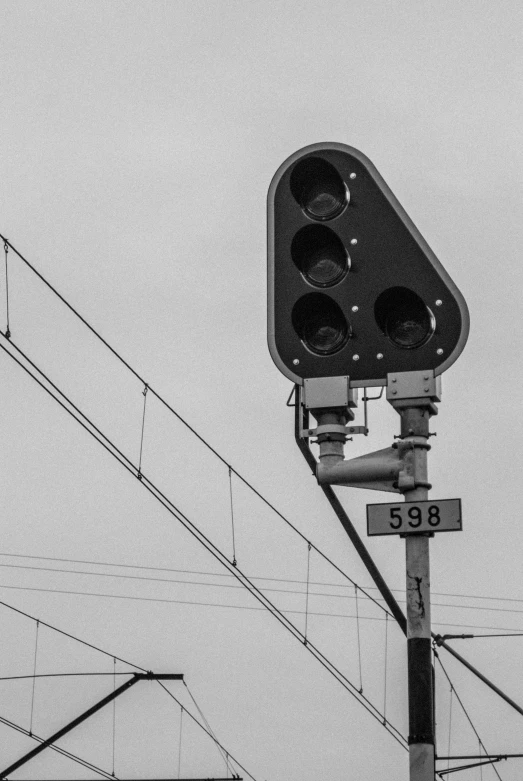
(139,140)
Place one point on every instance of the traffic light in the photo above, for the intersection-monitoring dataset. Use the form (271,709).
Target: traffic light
(354,289)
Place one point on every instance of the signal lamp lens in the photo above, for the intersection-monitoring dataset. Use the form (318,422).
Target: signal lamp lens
(404,318)
(320,256)
(322,202)
(320,324)
(319,189)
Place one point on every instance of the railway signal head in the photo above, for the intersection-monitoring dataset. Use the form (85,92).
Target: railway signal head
(354,289)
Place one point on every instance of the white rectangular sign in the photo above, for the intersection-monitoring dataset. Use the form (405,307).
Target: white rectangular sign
(433,515)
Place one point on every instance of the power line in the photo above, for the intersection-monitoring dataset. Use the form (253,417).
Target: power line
(171,410)
(227,575)
(239,587)
(464,709)
(234,607)
(60,675)
(111,448)
(69,635)
(58,749)
(207,729)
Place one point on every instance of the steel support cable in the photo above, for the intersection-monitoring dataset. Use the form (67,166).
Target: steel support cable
(180,418)
(324,661)
(190,602)
(70,636)
(119,565)
(306,592)
(58,749)
(207,729)
(464,710)
(60,675)
(224,753)
(204,540)
(175,580)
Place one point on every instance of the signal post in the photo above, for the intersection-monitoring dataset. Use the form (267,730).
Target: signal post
(357,299)
(415,430)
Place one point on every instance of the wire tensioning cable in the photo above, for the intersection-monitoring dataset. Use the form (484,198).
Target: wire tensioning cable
(70,636)
(207,729)
(174,412)
(458,698)
(58,749)
(111,448)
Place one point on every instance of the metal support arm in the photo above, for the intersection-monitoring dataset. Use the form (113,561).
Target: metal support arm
(90,712)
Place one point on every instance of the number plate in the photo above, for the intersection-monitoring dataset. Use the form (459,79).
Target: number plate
(437,515)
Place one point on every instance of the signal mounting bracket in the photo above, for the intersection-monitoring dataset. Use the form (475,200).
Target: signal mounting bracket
(414,389)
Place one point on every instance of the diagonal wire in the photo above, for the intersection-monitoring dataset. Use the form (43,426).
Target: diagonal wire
(58,749)
(106,443)
(464,709)
(72,637)
(207,729)
(181,419)
(224,754)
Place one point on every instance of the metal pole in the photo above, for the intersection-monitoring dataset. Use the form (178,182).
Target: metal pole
(415,428)
(344,518)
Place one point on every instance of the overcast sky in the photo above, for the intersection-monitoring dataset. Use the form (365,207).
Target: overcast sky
(138,142)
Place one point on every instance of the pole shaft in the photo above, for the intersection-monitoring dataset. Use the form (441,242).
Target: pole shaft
(415,423)
(347,524)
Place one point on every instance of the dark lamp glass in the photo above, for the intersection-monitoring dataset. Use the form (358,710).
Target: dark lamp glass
(404,318)
(318,188)
(320,324)
(324,200)
(320,255)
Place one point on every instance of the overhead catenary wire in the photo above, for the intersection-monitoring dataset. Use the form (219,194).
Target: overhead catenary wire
(70,636)
(154,568)
(204,604)
(120,565)
(172,410)
(58,749)
(224,754)
(307,592)
(136,374)
(207,730)
(107,444)
(459,700)
(113,674)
